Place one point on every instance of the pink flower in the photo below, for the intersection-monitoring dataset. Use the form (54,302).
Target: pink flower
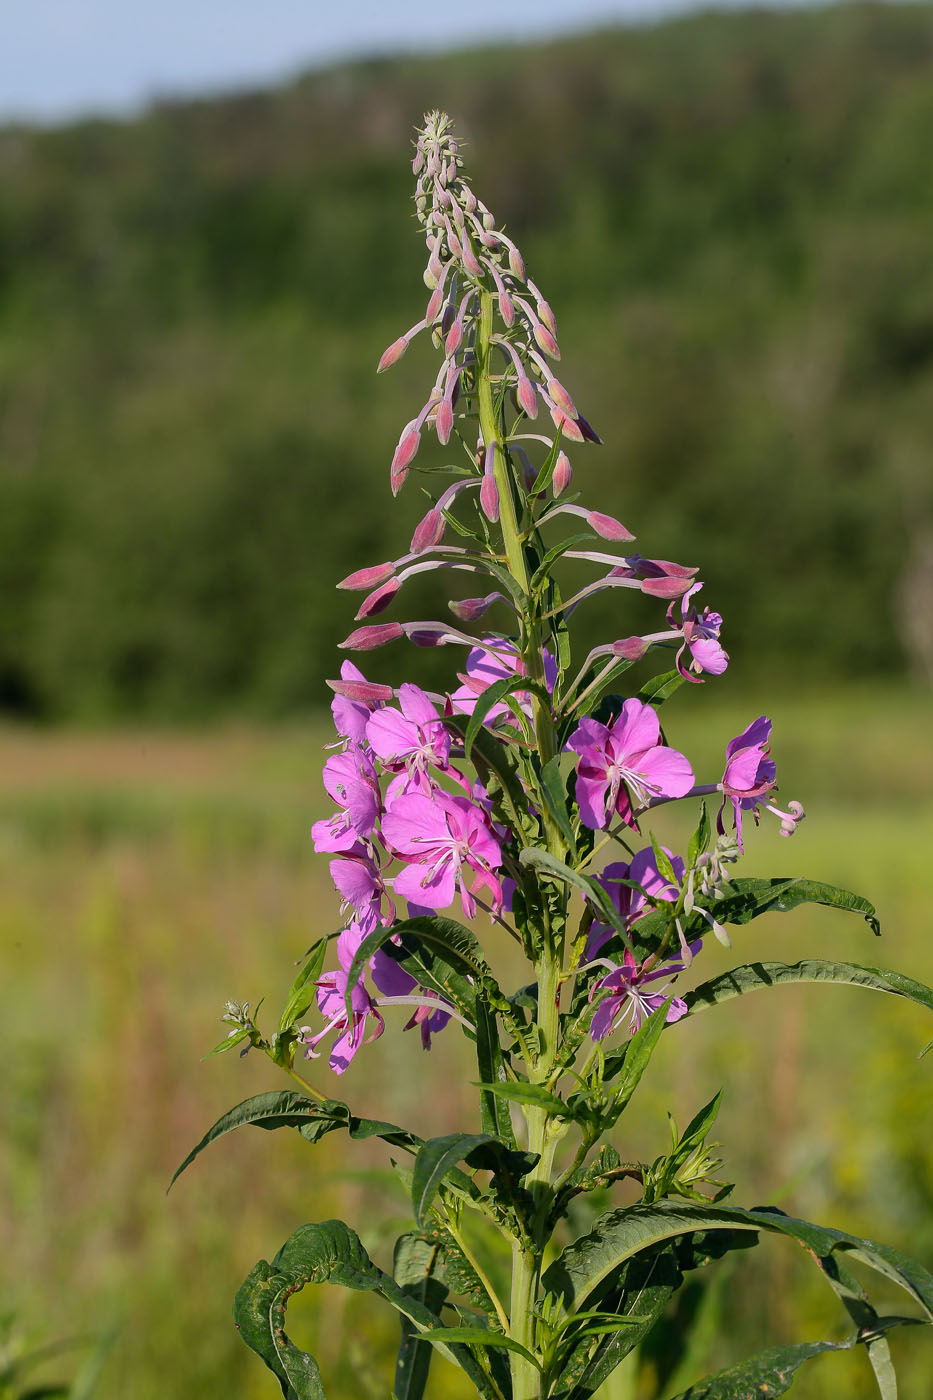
(393,981)
(331,1000)
(624,762)
(350,716)
(409,740)
(350,779)
(749,775)
(701,638)
(630,903)
(359,880)
(484,667)
(439,835)
(629,999)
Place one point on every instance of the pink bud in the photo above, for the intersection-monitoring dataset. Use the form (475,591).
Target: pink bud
(516,263)
(393,354)
(563,474)
(560,396)
(406,450)
(361,690)
(434,305)
(547,315)
(470,260)
(568,426)
(453,243)
(546,341)
(379,599)
(444,421)
(370,577)
(368,638)
(469,609)
(489,498)
(608,526)
(454,337)
(630,648)
(397,480)
(418,161)
(527,397)
(666,587)
(506,308)
(469,199)
(488,240)
(428,532)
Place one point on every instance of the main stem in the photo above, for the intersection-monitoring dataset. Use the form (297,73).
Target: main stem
(543,1133)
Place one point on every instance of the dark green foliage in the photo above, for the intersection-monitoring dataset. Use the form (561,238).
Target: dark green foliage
(731,215)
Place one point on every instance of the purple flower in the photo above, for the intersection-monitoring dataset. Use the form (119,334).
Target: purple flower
(350,715)
(628,998)
(439,835)
(485,666)
(331,1000)
(359,880)
(749,775)
(630,903)
(350,779)
(409,740)
(701,638)
(624,762)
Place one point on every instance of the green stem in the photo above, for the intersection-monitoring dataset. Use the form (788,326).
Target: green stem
(480,1272)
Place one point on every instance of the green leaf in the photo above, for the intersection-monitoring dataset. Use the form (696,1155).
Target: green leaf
(542,480)
(633,1060)
(663,862)
(700,839)
(481,1336)
(661,688)
(555,552)
(434,1252)
(303,988)
(490,1063)
(230,1041)
(747,899)
(554,792)
(415,1270)
(435,1159)
(439,953)
(770,1373)
(287,1108)
(537,859)
(752,976)
(531,1095)
(329,1252)
(491,697)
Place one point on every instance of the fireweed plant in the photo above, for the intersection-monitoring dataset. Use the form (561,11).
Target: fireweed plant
(498,800)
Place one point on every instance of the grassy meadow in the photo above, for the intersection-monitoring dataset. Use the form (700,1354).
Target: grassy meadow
(147,876)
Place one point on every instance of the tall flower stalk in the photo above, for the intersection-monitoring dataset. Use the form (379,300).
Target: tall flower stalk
(502,798)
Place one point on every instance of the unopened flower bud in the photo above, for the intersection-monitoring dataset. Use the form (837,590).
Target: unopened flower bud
(563,474)
(448,318)
(607,526)
(527,398)
(418,162)
(469,199)
(546,341)
(545,312)
(666,587)
(406,451)
(444,421)
(454,338)
(587,430)
(489,498)
(393,354)
(434,305)
(370,577)
(428,532)
(568,426)
(506,308)
(470,260)
(376,635)
(558,393)
(630,648)
(516,263)
(469,609)
(379,599)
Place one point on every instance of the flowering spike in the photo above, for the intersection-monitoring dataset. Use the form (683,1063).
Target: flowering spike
(370,577)
(368,638)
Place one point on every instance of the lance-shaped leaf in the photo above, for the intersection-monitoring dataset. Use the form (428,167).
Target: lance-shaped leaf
(439,953)
(549,865)
(631,1062)
(554,792)
(414,1268)
(747,899)
(490,1063)
(493,695)
(752,976)
(661,688)
(435,1159)
(287,1108)
(329,1252)
(303,988)
(769,1374)
(531,1096)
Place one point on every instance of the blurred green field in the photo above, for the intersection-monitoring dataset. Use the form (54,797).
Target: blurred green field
(148,876)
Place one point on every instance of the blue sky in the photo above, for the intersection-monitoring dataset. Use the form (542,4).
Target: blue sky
(61,58)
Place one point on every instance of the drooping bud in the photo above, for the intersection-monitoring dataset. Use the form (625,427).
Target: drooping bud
(392,355)
(544,310)
(428,532)
(666,587)
(489,498)
(376,635)
(470,260)
(563,474)
(434,305)
(379,599)
(607,526)
(361,690)
(558,393)
(630,648)
(587,430)
(569,427)
(454,337)
(546,341)
(405,453)
(444,421)
(370,577)
(527,398)
(469,609)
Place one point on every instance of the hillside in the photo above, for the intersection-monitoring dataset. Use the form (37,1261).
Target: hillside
(732,216)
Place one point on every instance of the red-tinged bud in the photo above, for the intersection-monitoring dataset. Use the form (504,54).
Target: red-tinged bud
(418,162)
(546,341)
(377,635)
(370,577)
(506,308)
(393,354)
(361,690)
(527,398)
(630,648)
(470,260)
(563,474)
(453,243)
(488,240)
(587,430)
(453,340)
(435,266)
(379,599)
(516,263)
(559,394)
(427,637)
(608,526)
(444,421)
(434,305)
(397,480)
(489,498)
(568,426)
(547,315)
(667,587)
(469,199)
(428,532)
(469,609)
(406,450)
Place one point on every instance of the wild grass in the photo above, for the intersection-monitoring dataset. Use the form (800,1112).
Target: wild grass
(146,877)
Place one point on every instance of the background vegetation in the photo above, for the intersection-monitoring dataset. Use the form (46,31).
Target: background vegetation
(732,216)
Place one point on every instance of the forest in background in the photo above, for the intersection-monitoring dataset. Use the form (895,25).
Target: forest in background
(732,216)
